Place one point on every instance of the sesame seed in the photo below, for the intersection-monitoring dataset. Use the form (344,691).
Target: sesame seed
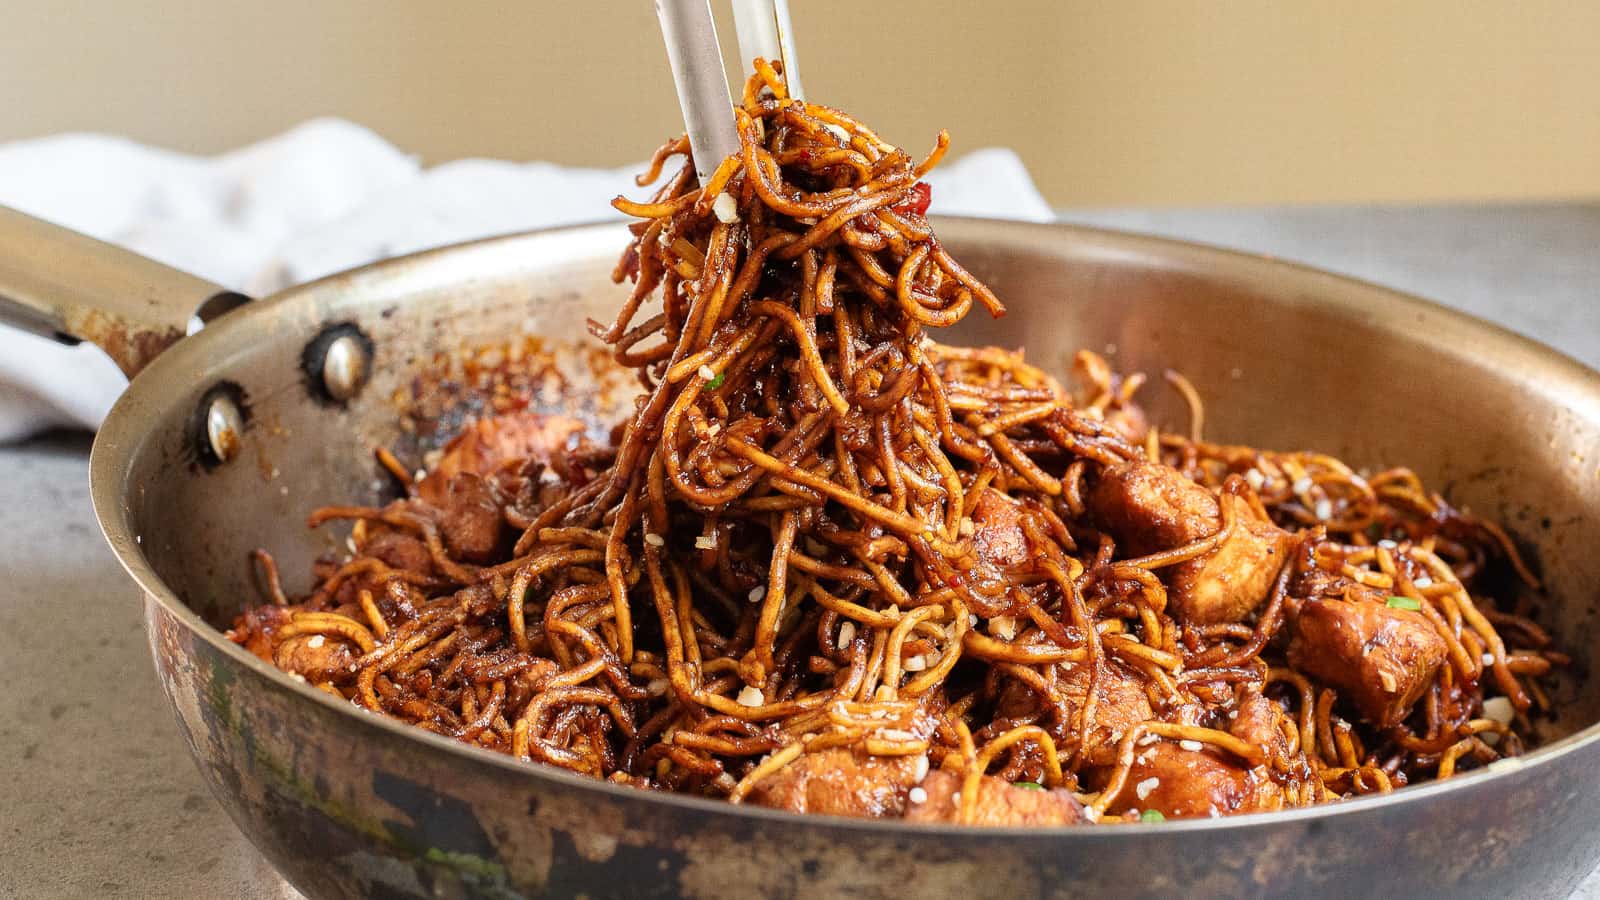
(1148,739)
(1488,659)
(654,540)
(847,633)
(656,687)
(915,664)
(705,542)
(726,211)
(707,373)
(919,768)
(1144,787)
(918,795)
(1324,509)
(316,641)
(972,620)
(757,592)
(1191,746)
(1302,484)
(751,697)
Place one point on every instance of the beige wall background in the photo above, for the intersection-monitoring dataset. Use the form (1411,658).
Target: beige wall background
(1111,102)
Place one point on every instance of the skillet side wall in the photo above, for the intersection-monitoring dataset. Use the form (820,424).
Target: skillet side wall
(1286,357)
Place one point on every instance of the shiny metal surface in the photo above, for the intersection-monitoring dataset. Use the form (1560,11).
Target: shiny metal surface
(344,368)
(349,803)
(690,33)
(60,284)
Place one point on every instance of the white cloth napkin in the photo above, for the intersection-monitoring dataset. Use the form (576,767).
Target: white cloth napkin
(324,196)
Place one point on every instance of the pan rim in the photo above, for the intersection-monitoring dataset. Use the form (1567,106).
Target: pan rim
(121,437)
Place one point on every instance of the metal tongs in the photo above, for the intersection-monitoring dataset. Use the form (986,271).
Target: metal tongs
(695,55)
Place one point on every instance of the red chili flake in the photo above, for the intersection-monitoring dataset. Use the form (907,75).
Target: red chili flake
(918,201)
(804,156)
(953,581)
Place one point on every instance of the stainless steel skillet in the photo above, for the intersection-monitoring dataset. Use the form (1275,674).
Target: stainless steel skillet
(348,803)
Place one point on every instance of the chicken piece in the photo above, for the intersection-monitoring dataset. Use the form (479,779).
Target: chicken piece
(1259,721)
(488,443)
(999,802)
(1381,659)
(1181,783)
(316,657)
(1149,508)
(840,782)
(398,550)
(253,629)
(997,536)
(470,520)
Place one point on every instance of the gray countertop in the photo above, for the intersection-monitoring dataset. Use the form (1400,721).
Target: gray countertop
(102,798)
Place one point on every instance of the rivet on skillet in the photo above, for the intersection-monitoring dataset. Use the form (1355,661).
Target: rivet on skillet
(344,368)
(224,426)
(337,363)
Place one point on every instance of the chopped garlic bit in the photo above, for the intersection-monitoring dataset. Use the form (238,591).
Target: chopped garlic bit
(966,528)
(758,592)
(897,734)
(1003,627)
(705,542)
(1488,659)
(917,795)
(1255,479)
(1302,484)
(1144,787)
(316,641)
(654,540)
(1499,709)
(919,768)
(847,633)
(751,697)
(706,372)
(726,210)
(1324,509)
(915,664)
(1191,746)
(657,687)
(1423,582)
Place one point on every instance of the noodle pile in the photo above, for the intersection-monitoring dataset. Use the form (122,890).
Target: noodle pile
(823,536)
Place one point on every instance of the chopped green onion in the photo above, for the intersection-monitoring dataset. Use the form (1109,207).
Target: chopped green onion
(1029,785)
(1152,815)
(1410,603)
(716,382)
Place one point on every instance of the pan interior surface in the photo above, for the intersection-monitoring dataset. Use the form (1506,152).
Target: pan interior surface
(1286,358)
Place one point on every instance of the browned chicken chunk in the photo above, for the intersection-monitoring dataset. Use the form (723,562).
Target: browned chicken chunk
(314,656)
(489,443)
(470,520)
(1149,507)
(1260,722)
(1120,704)
(997,535)
(840,782)
(1380,658)
(999,802)
(1182,783)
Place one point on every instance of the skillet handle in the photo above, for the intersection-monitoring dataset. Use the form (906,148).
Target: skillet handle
(64,285)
